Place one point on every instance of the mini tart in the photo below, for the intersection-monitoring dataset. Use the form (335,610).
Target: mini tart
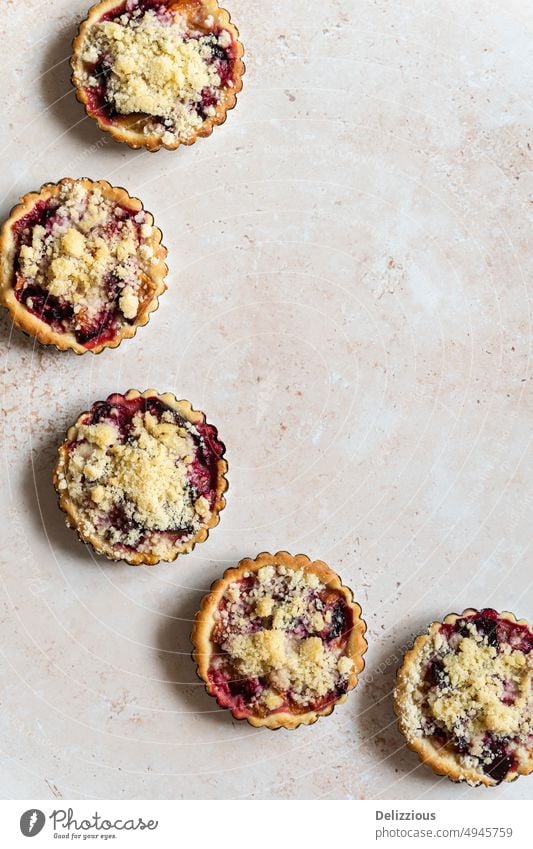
(463,697)
(279,640)
(157,73)
(141,477)
(81,265)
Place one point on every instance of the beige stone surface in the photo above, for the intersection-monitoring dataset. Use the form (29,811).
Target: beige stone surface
(349,301)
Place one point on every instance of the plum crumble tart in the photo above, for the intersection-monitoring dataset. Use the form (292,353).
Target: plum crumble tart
(279,640)
(464,697)
(141,477)
(81,265)
(157,73)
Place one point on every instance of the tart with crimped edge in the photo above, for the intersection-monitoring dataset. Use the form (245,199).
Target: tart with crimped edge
(141,477)
(279,640)
(157,73)
(463,697)
(81,265)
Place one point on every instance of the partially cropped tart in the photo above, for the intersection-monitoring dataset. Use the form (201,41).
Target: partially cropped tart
(141,477)
(81,265)
(279,640)
(157,73)
(464,697)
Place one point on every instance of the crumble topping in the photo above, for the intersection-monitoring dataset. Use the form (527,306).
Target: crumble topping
(470,690)
(140,475)
(83,261)
(479,678)
(305,664)
(282,639)
(150,62)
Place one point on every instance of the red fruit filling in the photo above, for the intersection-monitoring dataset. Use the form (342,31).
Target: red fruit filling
(142,475)
(78,286)
(496,630)
(485,736)
(280,645)
(202,473)
(99,73)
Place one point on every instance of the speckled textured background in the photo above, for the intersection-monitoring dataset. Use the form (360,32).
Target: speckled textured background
(349,302)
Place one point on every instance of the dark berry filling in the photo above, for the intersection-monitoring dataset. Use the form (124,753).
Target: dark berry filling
(117,410)
(42,213)
(223,58)
(494,628)
(496,759)
(121,521)
(54,311)
(502,761)
(100,328)
(435,674)
(341,620)
(208,100)
(159,7)
(239,695)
